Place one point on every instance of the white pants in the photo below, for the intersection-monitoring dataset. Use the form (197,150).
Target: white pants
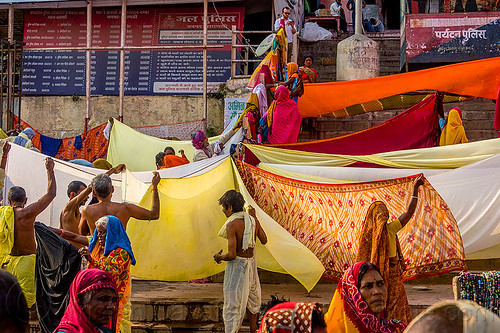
(241,291)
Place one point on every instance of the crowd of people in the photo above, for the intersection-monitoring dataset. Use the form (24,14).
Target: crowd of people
(370,296)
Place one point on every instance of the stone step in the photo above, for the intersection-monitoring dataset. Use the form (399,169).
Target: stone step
(174,304)
(159,306)
(163,328)
(189,307)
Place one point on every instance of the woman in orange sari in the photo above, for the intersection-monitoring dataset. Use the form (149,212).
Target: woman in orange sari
(171,160)
(110,250)
(358,305)
(379,245)
(294,82)
(453,131)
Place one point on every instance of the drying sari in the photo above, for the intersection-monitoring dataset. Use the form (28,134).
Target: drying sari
(453,130)
(289,317)
(251,117)
(285,118)
(349,313)
(115,258)
(75,320)
(170,161)
(375,246)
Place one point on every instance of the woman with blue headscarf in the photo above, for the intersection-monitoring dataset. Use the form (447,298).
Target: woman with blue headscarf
(110,250)
(24,138)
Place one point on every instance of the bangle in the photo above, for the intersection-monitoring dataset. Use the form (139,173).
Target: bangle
(62,232)
(414,196)
(154,189)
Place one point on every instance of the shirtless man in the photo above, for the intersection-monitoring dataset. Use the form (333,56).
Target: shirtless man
(102,189)
(78,193)
(241,281)
(21,261)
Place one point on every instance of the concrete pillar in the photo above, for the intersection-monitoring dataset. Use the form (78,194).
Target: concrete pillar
(357,58)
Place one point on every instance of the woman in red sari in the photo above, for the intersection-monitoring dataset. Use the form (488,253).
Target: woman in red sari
(92,304)
(358,305)
(283,118)
(309,75)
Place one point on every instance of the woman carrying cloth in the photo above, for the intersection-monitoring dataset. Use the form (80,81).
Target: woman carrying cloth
(379,245)
(358,304)
(250,118)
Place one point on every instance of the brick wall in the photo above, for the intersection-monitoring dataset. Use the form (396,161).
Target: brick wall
(325,56)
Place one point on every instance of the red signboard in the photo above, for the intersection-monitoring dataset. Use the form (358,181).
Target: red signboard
(452,37)
(145,26)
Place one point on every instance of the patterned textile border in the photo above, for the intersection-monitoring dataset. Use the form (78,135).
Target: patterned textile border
(401,101)
(95,145)
(328,218)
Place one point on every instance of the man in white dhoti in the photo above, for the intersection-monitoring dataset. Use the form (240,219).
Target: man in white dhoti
(241,281)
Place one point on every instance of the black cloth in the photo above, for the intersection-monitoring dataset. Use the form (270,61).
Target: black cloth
(57,262)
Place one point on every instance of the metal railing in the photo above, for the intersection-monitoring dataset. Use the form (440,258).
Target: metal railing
(11,72)
(242,52)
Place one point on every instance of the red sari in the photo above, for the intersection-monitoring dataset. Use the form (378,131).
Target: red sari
(75,320)
(285,118)
(349,313)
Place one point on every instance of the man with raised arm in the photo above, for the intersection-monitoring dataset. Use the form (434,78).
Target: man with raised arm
(78,194)
(17,235)
(241,281)
(102,188)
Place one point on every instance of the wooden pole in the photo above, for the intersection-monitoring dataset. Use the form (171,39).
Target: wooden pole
(123,31)
(88,65)
(233,51)
(205,63)
(10,56)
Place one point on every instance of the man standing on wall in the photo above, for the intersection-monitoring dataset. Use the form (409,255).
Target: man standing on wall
(290,29)
(241,281)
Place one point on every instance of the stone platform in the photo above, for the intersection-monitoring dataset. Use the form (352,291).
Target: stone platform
(189,307)
(160,307)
